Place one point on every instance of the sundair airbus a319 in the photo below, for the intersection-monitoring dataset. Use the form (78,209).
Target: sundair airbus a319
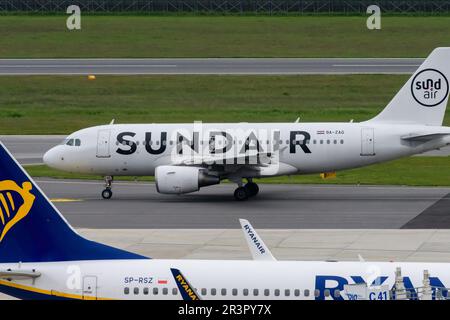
(43,257)
(185,157)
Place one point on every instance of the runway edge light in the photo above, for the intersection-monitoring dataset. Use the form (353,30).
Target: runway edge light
(91,77)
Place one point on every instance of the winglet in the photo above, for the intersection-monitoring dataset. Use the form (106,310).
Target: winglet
(257,247)
(186,290)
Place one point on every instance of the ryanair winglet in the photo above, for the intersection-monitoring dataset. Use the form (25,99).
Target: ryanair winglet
(257,247)
(187,291)
(33,230)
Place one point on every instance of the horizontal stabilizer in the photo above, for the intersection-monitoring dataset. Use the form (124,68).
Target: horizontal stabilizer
(424,136)
(257,247)
(19,274)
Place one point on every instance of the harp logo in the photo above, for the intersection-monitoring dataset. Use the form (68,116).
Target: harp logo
(11,212)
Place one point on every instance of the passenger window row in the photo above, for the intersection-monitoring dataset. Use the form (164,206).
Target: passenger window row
(164,142)
(155,291)
(234,292)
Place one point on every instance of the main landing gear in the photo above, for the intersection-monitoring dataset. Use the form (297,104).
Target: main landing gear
(107,193)
(250,189)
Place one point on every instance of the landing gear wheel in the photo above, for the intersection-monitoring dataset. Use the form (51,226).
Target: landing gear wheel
(107,194)
(241,194)
(252,189)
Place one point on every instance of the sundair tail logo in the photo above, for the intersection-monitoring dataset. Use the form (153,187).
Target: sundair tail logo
(430,87)
(11,210)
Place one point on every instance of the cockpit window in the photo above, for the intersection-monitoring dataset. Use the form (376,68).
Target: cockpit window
(71,142)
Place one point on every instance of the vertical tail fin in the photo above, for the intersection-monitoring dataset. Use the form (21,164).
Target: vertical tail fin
(423,99)
(187,291)
(33,230)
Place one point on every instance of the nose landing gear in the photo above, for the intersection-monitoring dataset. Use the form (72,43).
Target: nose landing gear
(107,193)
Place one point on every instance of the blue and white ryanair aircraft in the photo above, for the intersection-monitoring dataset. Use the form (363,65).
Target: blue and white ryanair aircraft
(186,157)
(43,257)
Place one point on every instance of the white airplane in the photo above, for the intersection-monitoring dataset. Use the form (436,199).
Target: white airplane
(186,157)
(43,257)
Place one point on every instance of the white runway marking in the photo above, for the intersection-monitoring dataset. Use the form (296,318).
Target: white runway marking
(376,65)
(90,66)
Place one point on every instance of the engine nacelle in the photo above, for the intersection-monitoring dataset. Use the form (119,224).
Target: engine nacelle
(181,179)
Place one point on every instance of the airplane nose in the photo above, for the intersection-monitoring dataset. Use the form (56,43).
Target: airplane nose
(51,157)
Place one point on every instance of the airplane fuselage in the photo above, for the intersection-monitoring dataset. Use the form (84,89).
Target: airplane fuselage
(302,148)
(152,279)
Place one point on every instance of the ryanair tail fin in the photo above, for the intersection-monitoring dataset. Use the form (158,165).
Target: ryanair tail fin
(33,230)
(423,99)
(187,291)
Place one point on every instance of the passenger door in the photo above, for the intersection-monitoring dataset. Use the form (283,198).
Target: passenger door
(90,288)
(103,143)
(367,142)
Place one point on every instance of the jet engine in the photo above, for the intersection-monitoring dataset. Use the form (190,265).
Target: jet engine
(182,179)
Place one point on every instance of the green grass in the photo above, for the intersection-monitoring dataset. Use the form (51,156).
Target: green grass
(414,171)
(60,105)
(229,36)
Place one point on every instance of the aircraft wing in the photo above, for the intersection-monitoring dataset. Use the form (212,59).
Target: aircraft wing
(250,158)
(258,159)
(257,247)
(19,274)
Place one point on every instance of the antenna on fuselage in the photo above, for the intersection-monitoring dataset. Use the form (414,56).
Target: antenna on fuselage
(112,122)
(297,120)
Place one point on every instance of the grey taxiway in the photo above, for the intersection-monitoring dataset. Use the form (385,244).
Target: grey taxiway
(137,205)
(209,66)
